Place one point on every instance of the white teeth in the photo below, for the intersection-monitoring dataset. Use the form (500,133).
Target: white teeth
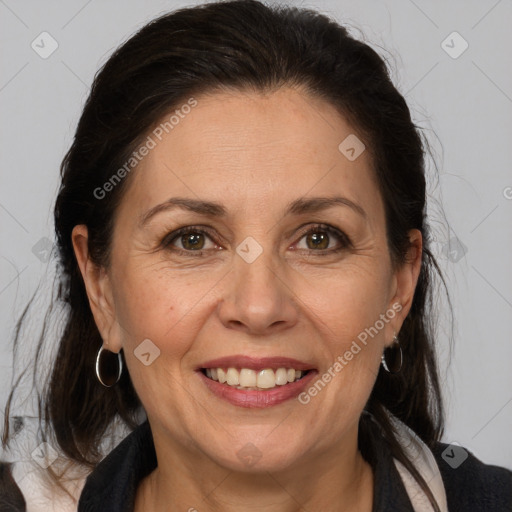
(281,376)
(246,378)
(232,377)
(221,375)
(266,379)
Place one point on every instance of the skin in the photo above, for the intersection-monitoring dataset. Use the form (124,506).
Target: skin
(254,153)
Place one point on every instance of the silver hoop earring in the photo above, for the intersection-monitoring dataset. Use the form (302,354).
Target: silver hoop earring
(392,357)
(109,367)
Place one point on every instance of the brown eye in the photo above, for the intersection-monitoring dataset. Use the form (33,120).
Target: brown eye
(192,241)
(188,240)
(317,240)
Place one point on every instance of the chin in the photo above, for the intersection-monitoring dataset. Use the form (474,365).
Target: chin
(270,455)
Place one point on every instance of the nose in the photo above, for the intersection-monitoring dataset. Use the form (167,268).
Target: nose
(258,299)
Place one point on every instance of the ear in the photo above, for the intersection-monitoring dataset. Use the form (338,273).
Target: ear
(404,282)
(98,288)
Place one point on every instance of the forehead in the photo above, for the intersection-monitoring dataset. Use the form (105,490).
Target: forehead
(252,151)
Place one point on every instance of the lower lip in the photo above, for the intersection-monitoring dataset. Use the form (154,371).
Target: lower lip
(255,398)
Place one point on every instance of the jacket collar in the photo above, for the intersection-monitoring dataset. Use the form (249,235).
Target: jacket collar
(113,483)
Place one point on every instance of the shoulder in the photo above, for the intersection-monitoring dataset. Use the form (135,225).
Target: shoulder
(471,485)
(113,483)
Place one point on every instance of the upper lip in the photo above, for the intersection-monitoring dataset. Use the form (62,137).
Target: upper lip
(256,363)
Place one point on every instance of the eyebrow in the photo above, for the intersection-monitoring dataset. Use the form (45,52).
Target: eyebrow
(213,209)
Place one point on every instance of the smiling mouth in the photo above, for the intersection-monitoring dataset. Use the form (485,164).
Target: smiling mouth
(248,379)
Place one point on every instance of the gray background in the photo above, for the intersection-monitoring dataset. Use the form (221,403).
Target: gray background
(464,105)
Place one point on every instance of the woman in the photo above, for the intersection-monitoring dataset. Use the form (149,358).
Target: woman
(245,255)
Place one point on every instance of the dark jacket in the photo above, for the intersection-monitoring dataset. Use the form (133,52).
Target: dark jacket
(471,487)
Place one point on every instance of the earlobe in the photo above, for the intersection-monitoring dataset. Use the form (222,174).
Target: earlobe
(98,288)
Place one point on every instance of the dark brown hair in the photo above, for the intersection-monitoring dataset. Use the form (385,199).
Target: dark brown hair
(11,498)
(234,45)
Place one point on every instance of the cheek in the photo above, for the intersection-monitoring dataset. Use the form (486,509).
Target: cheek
(165,309)
(157,304)
(348,300)
(346,312)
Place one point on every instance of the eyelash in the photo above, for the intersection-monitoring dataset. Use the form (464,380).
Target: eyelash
(171,237)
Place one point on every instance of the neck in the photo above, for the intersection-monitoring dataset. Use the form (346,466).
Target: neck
(336,480)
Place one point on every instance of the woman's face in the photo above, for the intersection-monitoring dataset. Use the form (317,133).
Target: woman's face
(248,280)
